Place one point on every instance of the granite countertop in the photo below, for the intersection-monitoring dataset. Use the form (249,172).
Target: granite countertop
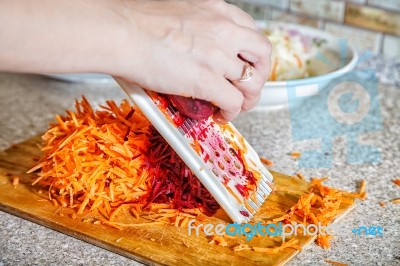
(29,102)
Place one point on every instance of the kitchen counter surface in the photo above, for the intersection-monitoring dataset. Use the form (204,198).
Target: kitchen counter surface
(29,102)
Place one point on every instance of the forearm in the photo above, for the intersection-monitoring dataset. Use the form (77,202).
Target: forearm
(48,36)
(191,48)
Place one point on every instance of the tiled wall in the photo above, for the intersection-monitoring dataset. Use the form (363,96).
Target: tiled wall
(370,24)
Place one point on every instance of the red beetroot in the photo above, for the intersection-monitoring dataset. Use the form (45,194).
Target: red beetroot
(192,108)
(172,180)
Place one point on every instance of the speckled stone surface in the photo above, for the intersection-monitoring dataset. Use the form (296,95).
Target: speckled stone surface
(29,102)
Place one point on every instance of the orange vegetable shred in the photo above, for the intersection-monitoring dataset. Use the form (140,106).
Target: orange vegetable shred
(320,205)
(266,161)
(15,181)
(295,154)
(395,201)
(100,161)
(336,263)
(396,181)
(113,163)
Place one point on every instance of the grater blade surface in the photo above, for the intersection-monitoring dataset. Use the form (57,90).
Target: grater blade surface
(217,154)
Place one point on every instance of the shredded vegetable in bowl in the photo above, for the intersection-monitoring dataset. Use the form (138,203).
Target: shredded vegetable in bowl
(292,53)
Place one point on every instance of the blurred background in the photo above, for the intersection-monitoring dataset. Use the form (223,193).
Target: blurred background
(371,25)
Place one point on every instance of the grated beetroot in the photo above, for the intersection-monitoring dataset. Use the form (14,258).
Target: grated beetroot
(173,181)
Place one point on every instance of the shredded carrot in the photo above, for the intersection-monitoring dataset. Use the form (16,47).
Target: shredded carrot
(184,222)
(396,181)
(55,202)
(336,263)
(279,219)
(15,181)
(184,243)
(61,200)
(395,201)
(95,161)
(134,213)
(218,240)
(99,161)
(362,192)
(266,161)
(111,224)
(274,70)
(116,211)
(295,154)
(300,175)
(382,204)
(298,59)
(324,240)
(43,200)
(241,247)
(320,205)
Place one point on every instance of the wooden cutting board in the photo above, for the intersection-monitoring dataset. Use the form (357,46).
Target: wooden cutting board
(156,244)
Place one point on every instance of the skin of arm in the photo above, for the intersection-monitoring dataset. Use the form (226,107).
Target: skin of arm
(63,36)
(182,47)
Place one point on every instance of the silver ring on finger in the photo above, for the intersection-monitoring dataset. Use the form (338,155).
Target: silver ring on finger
(247,73)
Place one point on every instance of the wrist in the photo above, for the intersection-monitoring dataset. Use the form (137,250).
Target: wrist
(111,39)
(124,46)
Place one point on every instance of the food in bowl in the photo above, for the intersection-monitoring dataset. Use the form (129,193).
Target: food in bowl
(292,54)
(307,57)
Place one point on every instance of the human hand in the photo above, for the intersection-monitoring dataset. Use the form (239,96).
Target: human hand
(188,47)
(194,48)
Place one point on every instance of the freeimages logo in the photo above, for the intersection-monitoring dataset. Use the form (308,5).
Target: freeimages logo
(251,230)
(368,231)
(283,230)
(347,106)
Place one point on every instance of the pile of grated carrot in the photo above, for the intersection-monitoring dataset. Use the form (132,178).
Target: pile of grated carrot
(95,161)
(320,205)
(99,161)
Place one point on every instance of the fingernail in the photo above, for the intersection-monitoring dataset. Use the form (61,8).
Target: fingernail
(219,119)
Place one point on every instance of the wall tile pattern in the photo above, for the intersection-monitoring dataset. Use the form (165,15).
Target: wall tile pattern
(369,24)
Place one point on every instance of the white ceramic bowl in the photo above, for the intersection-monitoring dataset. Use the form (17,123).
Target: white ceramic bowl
(274,93)
(91,78)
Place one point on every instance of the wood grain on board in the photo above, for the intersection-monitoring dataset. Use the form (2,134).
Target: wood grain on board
(155,244)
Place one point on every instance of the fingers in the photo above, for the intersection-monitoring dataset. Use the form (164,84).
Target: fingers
(240,17)
(242,34)
(250,46)
(236,96)
(234,68)
(231,95)
(245,38)
(251,42)
(224,95)
(251,88)
(199,49)
(244,45)
(232,13)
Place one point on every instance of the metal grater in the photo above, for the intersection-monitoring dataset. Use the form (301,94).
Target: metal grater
(218,155)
